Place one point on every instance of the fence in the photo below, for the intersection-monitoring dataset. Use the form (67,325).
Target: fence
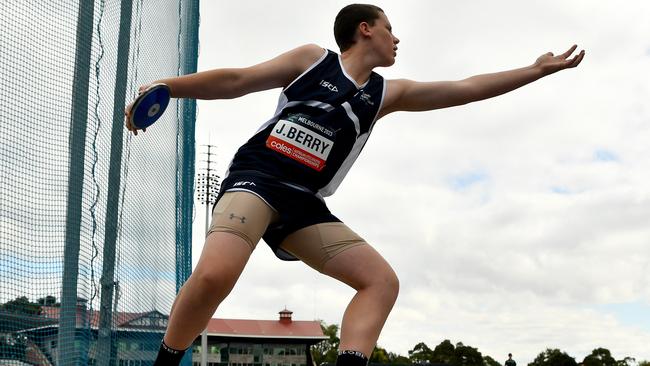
(95,224)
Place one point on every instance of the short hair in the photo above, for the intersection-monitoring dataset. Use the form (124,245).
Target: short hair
(349,18)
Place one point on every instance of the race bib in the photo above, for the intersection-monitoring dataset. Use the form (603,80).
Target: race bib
(303,145)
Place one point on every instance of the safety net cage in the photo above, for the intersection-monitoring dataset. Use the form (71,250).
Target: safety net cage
(95,223)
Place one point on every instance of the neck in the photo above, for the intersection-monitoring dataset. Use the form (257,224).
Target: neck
(357,64)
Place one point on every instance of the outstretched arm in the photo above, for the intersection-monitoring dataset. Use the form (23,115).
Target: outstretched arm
(235,82)
(232,83)
(408,95)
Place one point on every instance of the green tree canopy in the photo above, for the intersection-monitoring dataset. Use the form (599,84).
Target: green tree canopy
(466,356)
(489,361)
(553,357)
(627,361)
(327,350)
(21,305)
(443,353)
(48,300)
(396,359)
(447,353)
(421,353)
(379,355)
(599,357)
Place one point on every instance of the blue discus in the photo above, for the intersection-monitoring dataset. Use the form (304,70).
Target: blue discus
(150,105)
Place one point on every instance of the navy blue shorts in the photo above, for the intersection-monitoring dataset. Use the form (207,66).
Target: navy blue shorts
(296,207)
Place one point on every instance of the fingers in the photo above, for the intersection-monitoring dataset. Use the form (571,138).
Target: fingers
(127,120)
(575,61)
(127,112)
(568,53)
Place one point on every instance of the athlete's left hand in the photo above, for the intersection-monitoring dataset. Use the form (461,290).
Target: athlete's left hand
(550,63)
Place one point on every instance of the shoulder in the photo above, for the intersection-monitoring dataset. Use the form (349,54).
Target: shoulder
(282,69)
(306,55)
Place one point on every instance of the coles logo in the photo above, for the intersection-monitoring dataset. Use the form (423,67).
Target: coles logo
(279,146)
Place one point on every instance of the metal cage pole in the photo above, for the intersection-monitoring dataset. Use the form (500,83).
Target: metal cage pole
(68,353)
(105,350)
(207,191)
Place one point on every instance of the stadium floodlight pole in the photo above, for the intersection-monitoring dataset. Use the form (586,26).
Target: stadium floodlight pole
(207,188)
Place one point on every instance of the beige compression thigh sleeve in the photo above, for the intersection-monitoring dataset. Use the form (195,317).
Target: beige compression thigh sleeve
(243,214)
(316,244)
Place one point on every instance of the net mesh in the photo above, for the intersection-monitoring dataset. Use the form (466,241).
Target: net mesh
(95,224)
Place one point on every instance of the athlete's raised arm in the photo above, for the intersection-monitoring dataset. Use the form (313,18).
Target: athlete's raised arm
(231,83)
(408,95)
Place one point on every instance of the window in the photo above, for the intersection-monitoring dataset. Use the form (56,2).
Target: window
(122,346)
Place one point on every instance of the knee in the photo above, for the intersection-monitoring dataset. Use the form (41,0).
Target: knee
(391,283)
(387,283)
(212,281)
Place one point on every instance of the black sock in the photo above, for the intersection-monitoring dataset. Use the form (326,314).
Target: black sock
(351,358)
(168,356)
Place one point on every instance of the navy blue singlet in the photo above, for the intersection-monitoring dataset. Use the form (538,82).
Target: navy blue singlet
(320,126)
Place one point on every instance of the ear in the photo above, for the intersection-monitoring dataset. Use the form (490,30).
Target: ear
(364,29)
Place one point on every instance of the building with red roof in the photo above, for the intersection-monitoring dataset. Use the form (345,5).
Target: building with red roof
(136,338)
(241,342)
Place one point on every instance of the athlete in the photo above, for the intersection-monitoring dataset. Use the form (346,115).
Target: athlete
(275,185)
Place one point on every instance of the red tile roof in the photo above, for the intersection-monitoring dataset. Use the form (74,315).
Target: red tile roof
(120,318)
(265,328)
(285,328)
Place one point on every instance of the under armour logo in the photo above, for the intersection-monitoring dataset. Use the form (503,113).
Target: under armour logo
(241,218)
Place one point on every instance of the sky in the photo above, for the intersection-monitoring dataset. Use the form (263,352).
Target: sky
(515,224)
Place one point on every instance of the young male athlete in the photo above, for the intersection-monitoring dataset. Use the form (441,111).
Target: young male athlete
(276,182)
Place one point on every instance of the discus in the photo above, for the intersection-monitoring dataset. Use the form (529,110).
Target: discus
(149,106)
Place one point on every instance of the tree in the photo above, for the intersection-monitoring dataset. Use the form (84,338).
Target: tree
(466,356)
(48,300)
(599,357)
(443,353)
(327,350)
(379,355)
(421,353)
(553,357)
(489,361)
(627,361)
(644,363)
(21,305)
(13,347)
(395,359)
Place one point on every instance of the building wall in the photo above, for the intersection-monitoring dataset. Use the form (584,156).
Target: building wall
(252,354)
